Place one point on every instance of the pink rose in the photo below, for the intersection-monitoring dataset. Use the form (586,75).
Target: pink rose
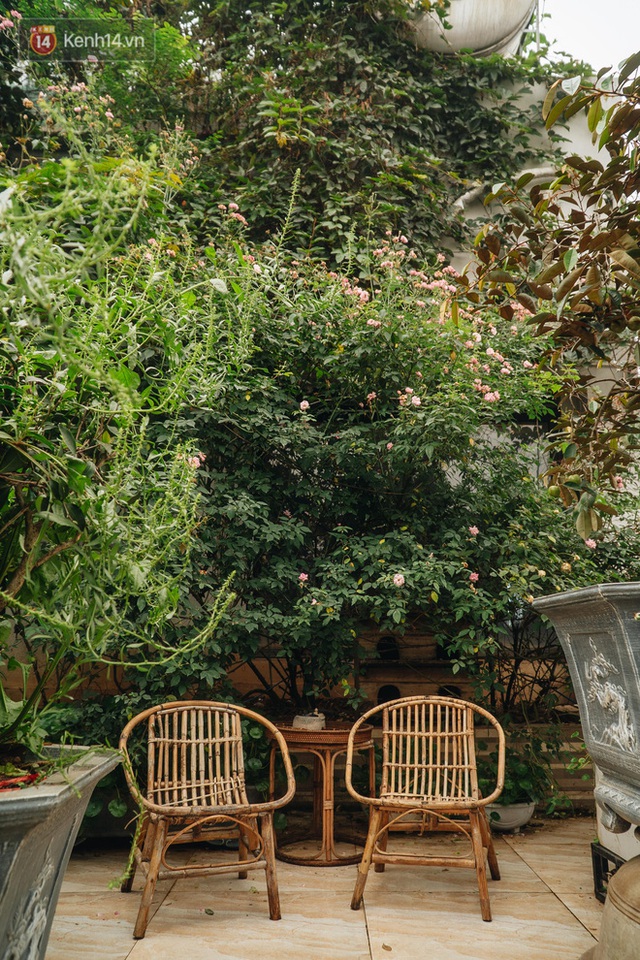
(398,580)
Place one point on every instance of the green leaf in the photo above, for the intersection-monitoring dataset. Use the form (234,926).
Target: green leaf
(548,100)
(587,523)
(500,276)
(58,518)
(571,85)
(550,272)
(77,475)
(557,111)
(94,807)
(117,808)
(570,259)
(68,438)
(127,377)
(629,65)
(594,114)
(568,283)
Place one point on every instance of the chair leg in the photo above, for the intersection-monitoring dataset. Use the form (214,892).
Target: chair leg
(383,840)
(155,840)
(491,850)
(481,871)
(243,851)
(365,863)
(266,823)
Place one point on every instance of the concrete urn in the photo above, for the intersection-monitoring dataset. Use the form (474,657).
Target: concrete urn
(38,826)
(486,27)
(599,629)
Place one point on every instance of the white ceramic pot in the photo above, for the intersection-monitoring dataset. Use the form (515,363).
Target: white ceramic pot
(491,26)
(509,817)
(314,721)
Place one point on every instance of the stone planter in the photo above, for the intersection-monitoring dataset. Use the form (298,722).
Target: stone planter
(599,628)
(493,26)
(509,817)
(38,826)
(313,721)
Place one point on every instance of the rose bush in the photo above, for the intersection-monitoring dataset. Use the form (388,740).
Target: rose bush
(375,458)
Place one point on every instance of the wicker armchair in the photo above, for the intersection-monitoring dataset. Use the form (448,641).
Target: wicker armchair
(195,791)
(429,782)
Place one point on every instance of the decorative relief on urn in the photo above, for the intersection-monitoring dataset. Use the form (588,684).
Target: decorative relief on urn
(29,924)
(617,729)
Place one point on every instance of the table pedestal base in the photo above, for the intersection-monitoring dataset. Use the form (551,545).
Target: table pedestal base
(326,746)
(321,859)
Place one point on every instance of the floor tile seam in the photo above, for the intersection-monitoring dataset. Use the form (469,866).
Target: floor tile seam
(573,914)
(128,955)
(365,917)
(554,885)
(551,890)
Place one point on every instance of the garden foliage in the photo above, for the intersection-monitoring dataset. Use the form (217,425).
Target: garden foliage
(384,134)
(569,249)
(185,400)
(99,339)
(377,458)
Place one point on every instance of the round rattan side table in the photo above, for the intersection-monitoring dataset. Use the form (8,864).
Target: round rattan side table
(326,746)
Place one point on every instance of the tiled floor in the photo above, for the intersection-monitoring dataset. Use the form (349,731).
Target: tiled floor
(543,909)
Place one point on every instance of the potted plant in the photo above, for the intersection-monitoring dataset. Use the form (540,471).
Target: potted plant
(528,779)
(309,721)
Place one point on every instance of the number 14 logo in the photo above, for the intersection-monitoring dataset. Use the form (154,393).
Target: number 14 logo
(43,40)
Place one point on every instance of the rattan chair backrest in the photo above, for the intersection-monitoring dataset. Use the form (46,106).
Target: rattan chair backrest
(429,750)
(195,756)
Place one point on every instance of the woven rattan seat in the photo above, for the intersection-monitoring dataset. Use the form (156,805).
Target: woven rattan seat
(196,791)
(429,783)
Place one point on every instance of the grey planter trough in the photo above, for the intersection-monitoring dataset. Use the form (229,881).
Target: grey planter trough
(38,827)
